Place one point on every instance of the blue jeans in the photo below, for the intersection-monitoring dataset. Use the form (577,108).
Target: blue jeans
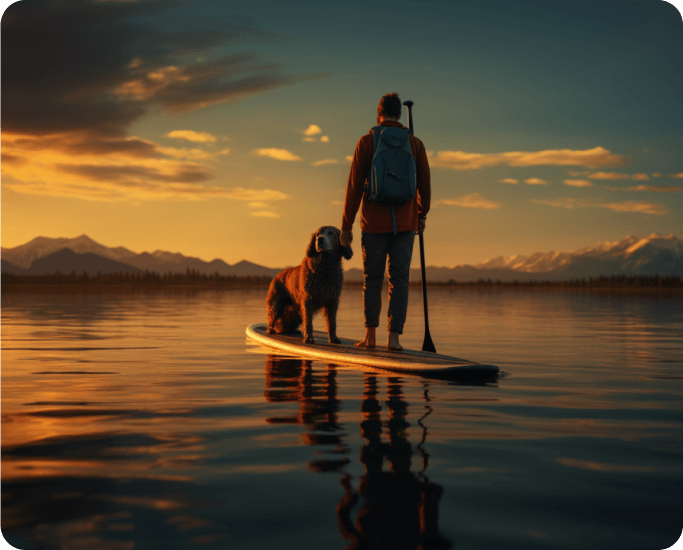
(399,249)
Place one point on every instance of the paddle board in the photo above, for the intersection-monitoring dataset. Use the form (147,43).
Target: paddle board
(407,361)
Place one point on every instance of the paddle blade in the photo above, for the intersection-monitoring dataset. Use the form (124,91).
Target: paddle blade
(428,345)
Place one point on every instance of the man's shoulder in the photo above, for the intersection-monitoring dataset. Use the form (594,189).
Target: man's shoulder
(417,141)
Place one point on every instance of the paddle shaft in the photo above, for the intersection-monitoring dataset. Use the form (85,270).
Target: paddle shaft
(427,345)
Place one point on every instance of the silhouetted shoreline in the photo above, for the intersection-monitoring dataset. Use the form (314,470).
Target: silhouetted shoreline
(58,281)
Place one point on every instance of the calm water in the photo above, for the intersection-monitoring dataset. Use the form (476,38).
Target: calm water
(147,420)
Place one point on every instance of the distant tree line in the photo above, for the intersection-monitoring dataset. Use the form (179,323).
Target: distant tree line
(196,278)
(190,277)
(613,281)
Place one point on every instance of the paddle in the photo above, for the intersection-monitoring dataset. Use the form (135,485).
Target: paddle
(427,345)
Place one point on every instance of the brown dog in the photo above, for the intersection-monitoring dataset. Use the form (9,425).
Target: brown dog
(297,293)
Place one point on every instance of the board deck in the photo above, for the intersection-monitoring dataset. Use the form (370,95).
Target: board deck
(408,361)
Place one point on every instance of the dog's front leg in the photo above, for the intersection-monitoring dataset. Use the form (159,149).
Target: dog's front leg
(331,321)
(308,322)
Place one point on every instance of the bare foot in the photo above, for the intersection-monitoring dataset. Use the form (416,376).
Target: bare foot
(392,342)
(369,340)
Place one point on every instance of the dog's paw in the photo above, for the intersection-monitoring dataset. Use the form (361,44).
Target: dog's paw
(334,340)
(309,340)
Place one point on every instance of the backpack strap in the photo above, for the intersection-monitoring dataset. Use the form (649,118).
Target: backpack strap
(375,136)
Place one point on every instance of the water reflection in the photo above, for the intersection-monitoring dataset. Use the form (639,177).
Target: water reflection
(398,507)
(293,380)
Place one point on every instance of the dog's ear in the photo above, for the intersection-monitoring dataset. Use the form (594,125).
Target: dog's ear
(346,252)
(311,251)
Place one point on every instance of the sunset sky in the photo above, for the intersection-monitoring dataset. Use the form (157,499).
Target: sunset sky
(224,129)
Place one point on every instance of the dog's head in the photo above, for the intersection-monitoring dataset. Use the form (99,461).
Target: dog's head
(326,240)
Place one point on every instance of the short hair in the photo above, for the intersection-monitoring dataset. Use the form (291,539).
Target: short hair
(389,106)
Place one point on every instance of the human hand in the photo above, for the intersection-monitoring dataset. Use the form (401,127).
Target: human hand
(421,223)
(345,238)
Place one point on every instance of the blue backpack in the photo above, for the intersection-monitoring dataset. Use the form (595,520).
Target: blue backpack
(393,172)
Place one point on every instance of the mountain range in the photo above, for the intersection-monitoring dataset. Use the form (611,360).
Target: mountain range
(653,255)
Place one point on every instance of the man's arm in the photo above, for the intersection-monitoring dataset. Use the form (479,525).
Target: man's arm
(355,185)
(424,182)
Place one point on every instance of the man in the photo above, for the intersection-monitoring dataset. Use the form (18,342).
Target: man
(378,238)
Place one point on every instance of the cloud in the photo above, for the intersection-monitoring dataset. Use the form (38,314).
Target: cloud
(129,174)
(460,160)
(645,208)
(324,161)
(77,74)
(536,181)
(312,130)
(608,176)
(474,200)
(641,177)
(79,143)
(679,175)
(571,204)
(656,189)
(578,183)
(265,214)
(277,154)
(132,189)
(509,180)
(190,135)
(100,65)
(190,154)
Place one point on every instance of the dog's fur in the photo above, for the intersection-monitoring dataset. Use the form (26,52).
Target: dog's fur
(297,293)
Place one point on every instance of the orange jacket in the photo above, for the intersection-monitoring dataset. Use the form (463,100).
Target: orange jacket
(376,217)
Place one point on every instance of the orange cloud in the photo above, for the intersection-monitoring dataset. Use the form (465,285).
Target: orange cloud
(474,200)
(460,160)
(312,130)
(656,189)
(190,135)
(578,183)
(679,175)
(608,176)
(571,204)
(67,137)
(535,181)
(265,214)
(190,154)
(86,189)
(324,161)
(509,180)
(643,207)
(277,154)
